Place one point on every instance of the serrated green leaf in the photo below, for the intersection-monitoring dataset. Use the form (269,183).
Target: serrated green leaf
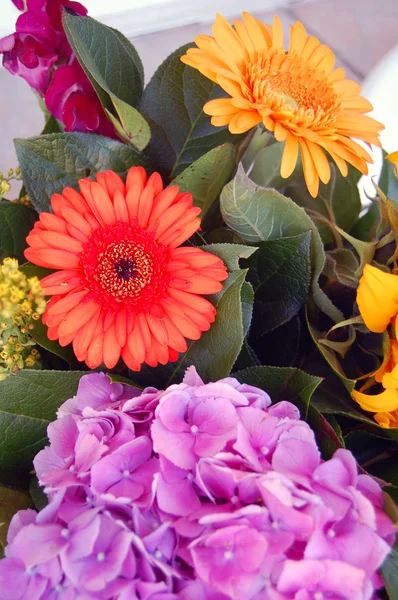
(49,163)
(206,177)
(247,300)
(16,221)
(173,106)
(282,383)
(342,266)
(28,403)
(11,501)
(280,272)
(327,439)
(337,202)
(365,250)
(230,253)
(110,61)
(259,214)
(52,126)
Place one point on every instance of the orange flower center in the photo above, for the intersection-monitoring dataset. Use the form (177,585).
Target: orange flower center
(284,83)
(123,263)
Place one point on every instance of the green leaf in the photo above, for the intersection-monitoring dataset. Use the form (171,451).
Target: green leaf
(280,272)
(39,334)
(206,177)
(247,300)
(16,221)
(388,182)
(52,126)
(282,383)
(11,501)
(365,250)
(259,214)
(337,202)
(215,353)
(264,167)
(110,61)
(342,266)
(327,439)
(230,253)
(37,494)
(28,403)
(173,106)
(390,573)
(131,125)
(49,163)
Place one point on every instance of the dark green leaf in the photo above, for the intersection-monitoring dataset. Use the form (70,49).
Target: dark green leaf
(282,383)
(342,266)
(215,353)
(52,126)
(28,403)
(173,106)
(131,126)
(279,347)
(32,270)
(365,446)
(390,573)
(259,214)
(337,201)
(110,61)
(11,501)
(39,334)
(49,163)
(230,253)
(206,177)
(247,299)
(280,272)
(264,167)
(16,221)
(37,494)
(370,224)
(327,439)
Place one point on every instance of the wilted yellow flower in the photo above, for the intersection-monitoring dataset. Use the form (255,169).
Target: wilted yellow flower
(21,300)
(295,93)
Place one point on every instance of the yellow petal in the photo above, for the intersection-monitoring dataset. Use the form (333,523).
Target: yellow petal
(377,298)
(393,157)
(387,401)
(289,156)
(388,420)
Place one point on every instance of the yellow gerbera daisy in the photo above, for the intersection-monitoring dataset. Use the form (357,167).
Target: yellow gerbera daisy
(294,93)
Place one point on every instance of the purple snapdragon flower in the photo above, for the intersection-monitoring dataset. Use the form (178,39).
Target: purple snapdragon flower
(198,492)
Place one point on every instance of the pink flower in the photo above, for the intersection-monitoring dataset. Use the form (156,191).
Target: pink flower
(188,427)
(71,99)
(230,560)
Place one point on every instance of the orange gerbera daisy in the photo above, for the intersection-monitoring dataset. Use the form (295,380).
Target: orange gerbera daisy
(124,286)
(294,93)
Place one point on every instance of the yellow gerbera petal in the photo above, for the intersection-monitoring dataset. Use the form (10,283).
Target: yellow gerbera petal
(295,92)
(377,298)
(386,401)
(393,157)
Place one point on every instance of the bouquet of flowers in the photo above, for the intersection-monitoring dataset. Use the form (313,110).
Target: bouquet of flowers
(198,322)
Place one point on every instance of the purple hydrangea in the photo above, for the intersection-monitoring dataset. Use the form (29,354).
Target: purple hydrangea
(198,492)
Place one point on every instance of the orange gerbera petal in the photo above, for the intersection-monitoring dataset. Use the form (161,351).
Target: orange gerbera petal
(294,92)
(116,292)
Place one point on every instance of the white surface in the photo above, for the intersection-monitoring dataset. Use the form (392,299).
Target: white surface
(137,17)
(380,88)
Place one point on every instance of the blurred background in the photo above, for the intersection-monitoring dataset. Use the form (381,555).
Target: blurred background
(362,33)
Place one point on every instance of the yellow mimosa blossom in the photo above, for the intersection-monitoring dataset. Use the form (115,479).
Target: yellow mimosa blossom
(21,304)
(295,92)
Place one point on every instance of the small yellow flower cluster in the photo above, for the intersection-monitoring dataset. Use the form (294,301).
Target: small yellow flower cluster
(21,303)
(5,185)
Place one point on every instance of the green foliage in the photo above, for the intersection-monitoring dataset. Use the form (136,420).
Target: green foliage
(390,573)
(280,272)
(115,70)
(173,106)
(49,163)
(259,214)
(206,177)
(11,501)
(282,383)
(16,221)
(337,203)
(28,403)
(230,254)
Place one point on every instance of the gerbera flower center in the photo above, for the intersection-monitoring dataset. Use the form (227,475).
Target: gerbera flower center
(284,83)
(123,263)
